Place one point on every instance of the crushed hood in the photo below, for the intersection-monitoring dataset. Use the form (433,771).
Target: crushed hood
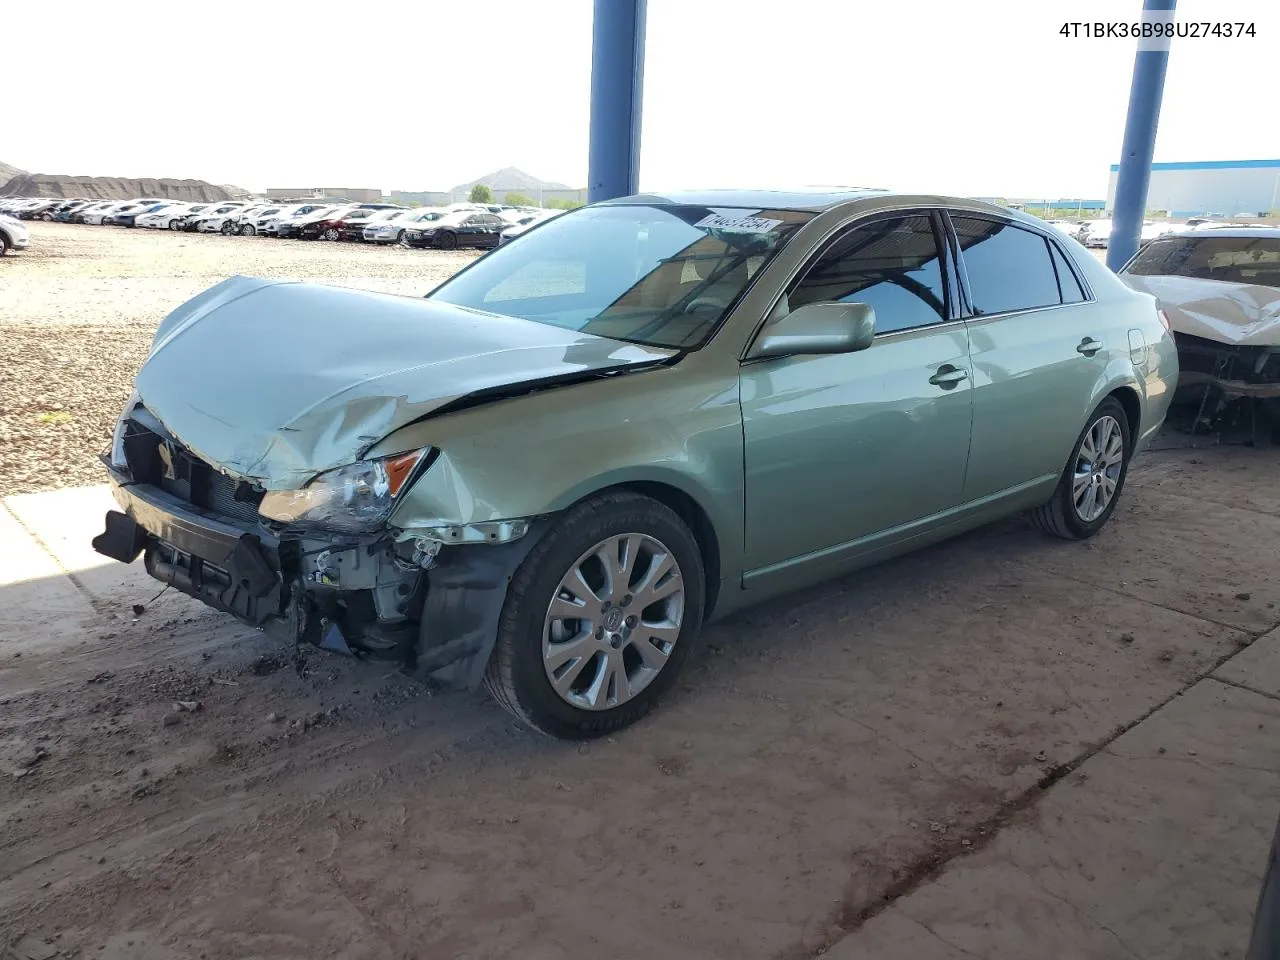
(276,381)
(1239,314)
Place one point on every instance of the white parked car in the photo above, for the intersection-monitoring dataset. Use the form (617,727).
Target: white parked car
(389,226)
(163,216)
(1096,233)
(527,222)
(101,213)
(13,234)
(253,222)
(214,219)
(291,215)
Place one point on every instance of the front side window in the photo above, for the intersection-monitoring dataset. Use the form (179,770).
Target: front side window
(659,274)
(1250,260)
(1008,268)
(890,264)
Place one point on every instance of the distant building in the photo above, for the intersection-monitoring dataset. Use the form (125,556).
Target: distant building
(1227,187)
(1041,206)
(354,194)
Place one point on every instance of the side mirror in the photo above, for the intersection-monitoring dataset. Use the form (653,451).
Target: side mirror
(818,328)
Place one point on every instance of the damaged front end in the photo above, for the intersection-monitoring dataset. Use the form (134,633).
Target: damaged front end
(288,563)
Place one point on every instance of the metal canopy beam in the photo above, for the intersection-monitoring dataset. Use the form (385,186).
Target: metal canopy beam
(617,86)
(1145,94)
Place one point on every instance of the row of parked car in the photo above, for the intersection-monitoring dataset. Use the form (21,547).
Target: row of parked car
(1097,233)
(447,228)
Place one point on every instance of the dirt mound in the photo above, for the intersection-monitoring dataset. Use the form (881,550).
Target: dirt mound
(8,172)
(112,188)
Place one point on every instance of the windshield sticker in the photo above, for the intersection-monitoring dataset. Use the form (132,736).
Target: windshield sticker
(715,221)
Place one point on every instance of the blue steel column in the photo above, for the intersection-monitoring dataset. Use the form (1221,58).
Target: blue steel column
(617,87)
(1139,146)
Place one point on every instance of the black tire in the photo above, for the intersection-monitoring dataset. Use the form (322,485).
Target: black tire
(332,234)
(400,238)
(175,225)
(516,677)
(47,217)
(4,244)
(447,240)
(247,230)
(1059,517)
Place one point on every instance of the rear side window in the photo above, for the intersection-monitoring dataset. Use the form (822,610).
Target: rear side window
(1008,268)
(1068,284)
(1252,260)
(891,264)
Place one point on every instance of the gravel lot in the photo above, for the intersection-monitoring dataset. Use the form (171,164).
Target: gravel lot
(78,309)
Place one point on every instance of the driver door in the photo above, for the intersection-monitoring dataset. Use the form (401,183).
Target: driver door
(847,453)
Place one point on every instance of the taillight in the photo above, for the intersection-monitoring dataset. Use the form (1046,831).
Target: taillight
(1164,320)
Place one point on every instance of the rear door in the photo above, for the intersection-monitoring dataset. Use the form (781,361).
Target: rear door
(1039,347)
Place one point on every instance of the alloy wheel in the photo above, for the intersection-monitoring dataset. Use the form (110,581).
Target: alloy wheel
(613,621)
(1098,468)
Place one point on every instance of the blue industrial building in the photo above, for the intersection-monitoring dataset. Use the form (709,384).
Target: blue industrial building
(1226,187)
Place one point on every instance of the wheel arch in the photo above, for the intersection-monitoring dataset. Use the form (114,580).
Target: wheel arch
(1132,403)
(694,517)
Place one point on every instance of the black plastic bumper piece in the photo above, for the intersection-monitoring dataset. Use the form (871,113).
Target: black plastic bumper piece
(223,564)
(122,540)
(466,591)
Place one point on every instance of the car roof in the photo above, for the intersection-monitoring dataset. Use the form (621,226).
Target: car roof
(814,200)
(1239,233)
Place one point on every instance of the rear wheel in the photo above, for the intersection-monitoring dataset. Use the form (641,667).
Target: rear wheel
(175,224)
(4,244)
(331,234)
(598,618)
(1091,484)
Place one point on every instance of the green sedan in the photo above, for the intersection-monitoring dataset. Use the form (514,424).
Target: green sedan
(640,416)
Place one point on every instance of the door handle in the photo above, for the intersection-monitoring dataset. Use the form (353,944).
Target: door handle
(948,376)
(1089,346)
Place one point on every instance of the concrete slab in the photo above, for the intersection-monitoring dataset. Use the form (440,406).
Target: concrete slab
(41,608)
(1155,847)
(1257,668)
(22,559)
(65,522)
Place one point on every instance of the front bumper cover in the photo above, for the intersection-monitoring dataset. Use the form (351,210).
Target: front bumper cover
(443,620)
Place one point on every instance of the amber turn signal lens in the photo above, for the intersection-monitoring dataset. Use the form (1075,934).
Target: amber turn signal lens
(399,468)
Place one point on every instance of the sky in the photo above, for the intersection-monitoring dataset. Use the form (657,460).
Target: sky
(966,97)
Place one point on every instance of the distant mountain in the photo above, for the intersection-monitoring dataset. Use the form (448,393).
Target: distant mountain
(111,188)
(8,172)
(510,180)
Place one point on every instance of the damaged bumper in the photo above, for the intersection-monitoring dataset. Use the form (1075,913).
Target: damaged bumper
(435,612)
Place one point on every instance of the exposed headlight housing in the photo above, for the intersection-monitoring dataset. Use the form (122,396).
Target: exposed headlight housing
(356,498)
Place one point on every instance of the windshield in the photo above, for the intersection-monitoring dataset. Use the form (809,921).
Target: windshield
(1251,260)
(660,275)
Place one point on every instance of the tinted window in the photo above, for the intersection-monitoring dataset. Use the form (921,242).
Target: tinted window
(1009,268)
(890,264)
(1067,282)
(1254,260)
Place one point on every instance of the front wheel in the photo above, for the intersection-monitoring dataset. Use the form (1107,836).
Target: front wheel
(331,234)
(246,230)
(175,225)
(447,241)
(4,244)
(1091,484)
(598,618)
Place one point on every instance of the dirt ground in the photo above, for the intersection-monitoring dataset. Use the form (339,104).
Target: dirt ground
(173,786)
(78,309)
